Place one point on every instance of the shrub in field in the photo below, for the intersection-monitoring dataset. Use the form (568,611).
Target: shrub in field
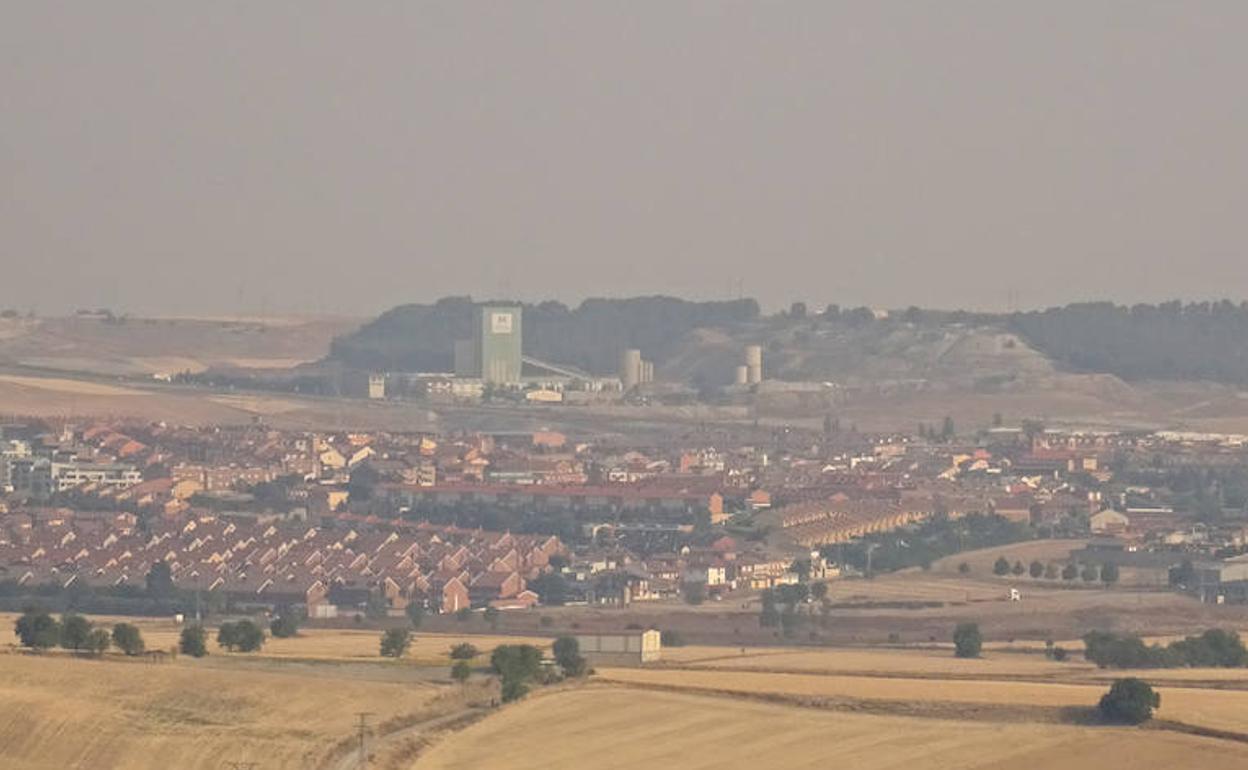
(967,641)
(1129,701)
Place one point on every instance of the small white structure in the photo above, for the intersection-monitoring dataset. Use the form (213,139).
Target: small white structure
(1015,596)
(627,649)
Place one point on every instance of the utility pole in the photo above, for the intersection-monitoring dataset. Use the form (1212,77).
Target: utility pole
(363,728)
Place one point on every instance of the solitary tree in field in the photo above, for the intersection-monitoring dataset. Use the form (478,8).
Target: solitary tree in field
(1001,567)
(194,641)
(1070,571)
(1018,568)
(967,641)
(1109,574)
(464,651)
(1090,573)
(461,671)
(1129,701)
(1036,570)
(395,642)
(128,639)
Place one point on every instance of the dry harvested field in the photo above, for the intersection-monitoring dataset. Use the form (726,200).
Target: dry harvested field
(981,561)
(1216,709)
(890,662)
(61,712)
(601,729)
(940,663)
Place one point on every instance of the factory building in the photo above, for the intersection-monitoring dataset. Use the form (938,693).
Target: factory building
(495,352)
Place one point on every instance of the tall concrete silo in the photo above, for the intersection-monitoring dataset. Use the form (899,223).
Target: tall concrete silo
(630,368)
(754,363)
(742,375)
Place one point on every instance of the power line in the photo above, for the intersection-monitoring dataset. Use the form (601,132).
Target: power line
(363,728)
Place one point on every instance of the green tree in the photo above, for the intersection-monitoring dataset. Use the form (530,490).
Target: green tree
(551,588)
(286,624)
(1129,701)
(1036,569)
(1001,567)
(967,641)
(946,429)
(395,642)
(248,636)
(98,642)
(415,613)
(1070,571)
(464,651)
(1090,573)
(194,641)
(128,639)
(1109,574)
(516,661)
(227,636)
(567,653)
(669,638)
(693,592)
(461,671)
(1050,571)
(74,631)
(514,689)
(1018,568)
(37,630)
(376,608)
(769,614)
(160,580)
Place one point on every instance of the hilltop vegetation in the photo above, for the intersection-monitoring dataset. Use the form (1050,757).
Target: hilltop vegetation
(591,336)
(700,342)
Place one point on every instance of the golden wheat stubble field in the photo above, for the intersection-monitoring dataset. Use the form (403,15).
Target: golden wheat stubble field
(607,728)
(59,712)
(1216,709)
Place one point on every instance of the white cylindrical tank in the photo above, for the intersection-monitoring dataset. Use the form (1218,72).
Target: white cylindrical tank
(743,374)
(754,363)
(630,368)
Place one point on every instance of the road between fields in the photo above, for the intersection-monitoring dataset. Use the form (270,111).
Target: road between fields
(377,743)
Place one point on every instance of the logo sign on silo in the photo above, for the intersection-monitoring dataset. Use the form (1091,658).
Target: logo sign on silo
(500,323)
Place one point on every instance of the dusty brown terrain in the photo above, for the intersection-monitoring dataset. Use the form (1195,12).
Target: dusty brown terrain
(144,346)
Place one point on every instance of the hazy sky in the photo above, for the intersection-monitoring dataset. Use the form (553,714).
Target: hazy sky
(314,156)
